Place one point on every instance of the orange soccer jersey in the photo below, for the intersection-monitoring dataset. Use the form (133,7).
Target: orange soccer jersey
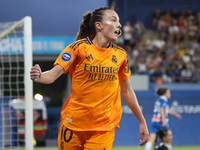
(95,101)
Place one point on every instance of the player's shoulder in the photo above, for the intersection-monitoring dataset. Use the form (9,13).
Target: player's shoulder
(77,44)
(118,48)
(160,146)
(160,99)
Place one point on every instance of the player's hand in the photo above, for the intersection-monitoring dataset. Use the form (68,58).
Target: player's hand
(35,72)
(178,116)
(144,134)
(163,124)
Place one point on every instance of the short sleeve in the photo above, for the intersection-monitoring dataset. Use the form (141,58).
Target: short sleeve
(124,71)
(163,104)
(66,58)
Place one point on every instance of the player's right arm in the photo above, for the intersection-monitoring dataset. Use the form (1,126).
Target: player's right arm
(46,77)
(61,65)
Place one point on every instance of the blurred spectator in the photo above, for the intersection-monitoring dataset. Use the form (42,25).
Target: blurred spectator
(182,12)
(163,26)
(161,23)
(194,43)
(132,43)
(156,74)
(139,29)
(173,32)
(175,55)
(149,63)
(168,17)
(176,75)
(186,75)
(127,32)
(141,66)
(157,60)
(190,65)
(181,65)
(170,49)
(165,77)
(196,74)
(180,21)
(135,52)
(196,58)
(198,33)
(190,14)
(198,17)
(149,43)
(156,18)
(192,30)
(131,58)
(186,58)
(174,14)
(190,50)
(159,43)
(186,42)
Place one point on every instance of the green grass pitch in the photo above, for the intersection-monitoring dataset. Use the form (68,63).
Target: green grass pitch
(138,148)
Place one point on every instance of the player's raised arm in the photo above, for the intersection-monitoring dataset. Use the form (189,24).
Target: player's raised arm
(131,100)
(46,77)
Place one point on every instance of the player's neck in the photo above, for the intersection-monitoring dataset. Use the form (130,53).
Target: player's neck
(100,41)
(167,142)
(168,145)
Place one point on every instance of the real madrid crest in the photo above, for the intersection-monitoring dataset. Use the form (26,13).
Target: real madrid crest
(114,59)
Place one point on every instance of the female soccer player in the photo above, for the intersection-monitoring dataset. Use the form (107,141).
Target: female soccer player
(160,116)
(98,69)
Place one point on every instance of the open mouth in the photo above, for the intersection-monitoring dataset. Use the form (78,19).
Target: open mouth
(118,32)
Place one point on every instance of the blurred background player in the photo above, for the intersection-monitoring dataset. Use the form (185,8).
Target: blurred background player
(165,136)
(160,115)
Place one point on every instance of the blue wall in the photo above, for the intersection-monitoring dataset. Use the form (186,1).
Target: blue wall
(186,131)
(50,17)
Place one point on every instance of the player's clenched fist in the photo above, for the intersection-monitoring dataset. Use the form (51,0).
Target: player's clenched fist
(35,72)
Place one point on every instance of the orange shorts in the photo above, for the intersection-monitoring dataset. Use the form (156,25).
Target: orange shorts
(84,140)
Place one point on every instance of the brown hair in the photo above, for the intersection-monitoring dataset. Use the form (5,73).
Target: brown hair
(87,25)
(161,91)
(162,133)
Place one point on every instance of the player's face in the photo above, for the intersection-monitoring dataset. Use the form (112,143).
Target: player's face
(168,94)
(169,137)
(110,25)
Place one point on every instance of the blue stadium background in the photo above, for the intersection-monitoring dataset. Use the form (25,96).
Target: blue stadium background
(51,17)
(61,18)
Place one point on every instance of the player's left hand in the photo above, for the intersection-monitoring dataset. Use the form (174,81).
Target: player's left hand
(178,116)
(144,134)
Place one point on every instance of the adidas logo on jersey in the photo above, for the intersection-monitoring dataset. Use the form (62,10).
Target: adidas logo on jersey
(90,57)
(69,120)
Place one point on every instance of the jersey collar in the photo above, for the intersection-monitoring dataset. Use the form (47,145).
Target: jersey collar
(91,37)
(164,97)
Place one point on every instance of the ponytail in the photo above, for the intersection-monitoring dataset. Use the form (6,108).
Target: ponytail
(87,25)
(84,29)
